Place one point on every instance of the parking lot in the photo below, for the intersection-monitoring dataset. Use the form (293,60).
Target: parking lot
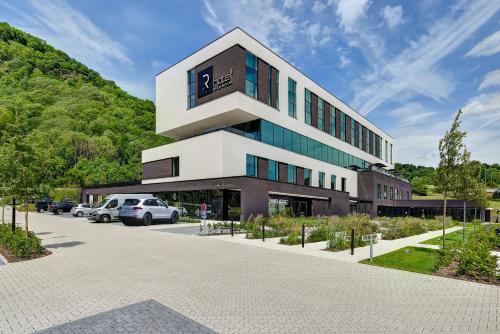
(115,278)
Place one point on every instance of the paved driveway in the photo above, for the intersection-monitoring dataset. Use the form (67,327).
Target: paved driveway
(117,276)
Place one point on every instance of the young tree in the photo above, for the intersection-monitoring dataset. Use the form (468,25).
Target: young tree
(465,183)
(479,196)
(450,152)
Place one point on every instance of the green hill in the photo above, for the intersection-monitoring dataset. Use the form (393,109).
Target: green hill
(88,130)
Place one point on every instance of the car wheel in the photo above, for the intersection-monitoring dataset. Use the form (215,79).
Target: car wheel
(41,210)
(105,219)
(60,211)
(147,219)
(79,213)
(174,218)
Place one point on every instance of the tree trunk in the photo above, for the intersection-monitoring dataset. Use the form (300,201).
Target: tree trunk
(3,214)
(463,230)
(26,206)
(444,215)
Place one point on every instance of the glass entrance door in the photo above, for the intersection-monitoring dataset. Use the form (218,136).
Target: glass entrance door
(299,208)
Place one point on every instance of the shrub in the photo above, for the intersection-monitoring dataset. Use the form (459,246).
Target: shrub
(339,237)
(293,238)
(476,261)
(18,244)
(402,227)
(185,219)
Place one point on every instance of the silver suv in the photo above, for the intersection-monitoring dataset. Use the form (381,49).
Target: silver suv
(81,210)
(147,211)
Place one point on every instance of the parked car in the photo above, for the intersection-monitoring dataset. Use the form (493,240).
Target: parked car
(80,210)
(147,211)
(107,210)
(62,207)
(45,204)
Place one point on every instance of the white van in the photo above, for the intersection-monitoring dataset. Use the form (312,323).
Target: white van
(107,210)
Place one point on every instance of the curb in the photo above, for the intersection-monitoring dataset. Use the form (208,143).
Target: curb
(4,260)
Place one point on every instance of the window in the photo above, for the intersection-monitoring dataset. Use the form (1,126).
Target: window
(374,144)
(251,165)
(391,154)
(267,132)
(251,75)
(307,176)
(386,151)
(353,125)
(360,136)
(150,202)
(391,193)
(367,140)
(333,180)
(292,97)
(343,185)
(191,100)
(175,166)
(308,106)
(296,141)
(379,190)
(396,193)
(408,195)
(321,114)
(321,180)
(332,120)
(292,173)
(112,204)
(379,147)
(385,192)
(342,126)
(278,136)
(287,139)
(272,173)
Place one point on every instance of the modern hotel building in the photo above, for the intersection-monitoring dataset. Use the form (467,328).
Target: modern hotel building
(254,135)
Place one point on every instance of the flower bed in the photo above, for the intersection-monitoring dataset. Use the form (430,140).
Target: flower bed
(402,227)
(16,246)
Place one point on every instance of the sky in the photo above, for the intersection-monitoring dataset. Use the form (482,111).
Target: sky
(407,66)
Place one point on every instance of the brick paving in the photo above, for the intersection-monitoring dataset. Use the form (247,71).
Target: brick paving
(227,287)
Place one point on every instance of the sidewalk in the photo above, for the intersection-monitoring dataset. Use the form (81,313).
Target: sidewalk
(361,253)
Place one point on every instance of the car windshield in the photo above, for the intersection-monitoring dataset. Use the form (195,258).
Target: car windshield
(131,201)
(102,203)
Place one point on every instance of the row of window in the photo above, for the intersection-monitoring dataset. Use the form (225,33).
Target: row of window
(252,169)
(281,137)
(394,193)
(252,79)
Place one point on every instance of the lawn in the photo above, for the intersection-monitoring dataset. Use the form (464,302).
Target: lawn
(416,259)
(451,238)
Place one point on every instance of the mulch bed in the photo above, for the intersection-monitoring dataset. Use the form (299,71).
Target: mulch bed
(11,258)
(451,272)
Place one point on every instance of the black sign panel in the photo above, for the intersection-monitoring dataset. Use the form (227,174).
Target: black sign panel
(206,81)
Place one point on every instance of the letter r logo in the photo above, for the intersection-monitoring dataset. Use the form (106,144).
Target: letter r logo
(205,81)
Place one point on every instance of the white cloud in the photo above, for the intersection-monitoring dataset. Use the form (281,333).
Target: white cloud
(212,18)
(483,109)
(344,61)
(350,11)
(490,79)
(413,72)
(318,34)
(292,3)
(487,47)
(319,7)
(411,114)
(392,15)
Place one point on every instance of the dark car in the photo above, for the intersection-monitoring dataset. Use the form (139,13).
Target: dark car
(45,204)
(62,207)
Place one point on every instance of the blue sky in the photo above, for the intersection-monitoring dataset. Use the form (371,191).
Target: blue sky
(408,66)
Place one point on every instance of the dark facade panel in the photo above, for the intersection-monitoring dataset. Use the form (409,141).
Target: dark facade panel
(231,59)
(327,117)
(300,175)
(157,169)
(347,129)
(262,169)
(283,172)
(377,145)
(274,87)
(314,110)
(365,139)
(337,123)
(262,81)
(356,134)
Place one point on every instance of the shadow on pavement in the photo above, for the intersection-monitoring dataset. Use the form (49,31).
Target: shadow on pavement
(43,233)
(64,244)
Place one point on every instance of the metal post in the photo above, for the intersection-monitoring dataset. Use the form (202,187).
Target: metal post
(352,241)
(13,214)
(232,228)
(371,249)
(263,231)
(303,234)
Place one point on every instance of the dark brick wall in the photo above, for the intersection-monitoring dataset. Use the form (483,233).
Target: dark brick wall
(232,58)
(262,80)
(348,129)
(274,86)
(314,110)
(356,134)
(337,123)
(327,117)
(283,172)
(157,169)
(300,175)
(262,169)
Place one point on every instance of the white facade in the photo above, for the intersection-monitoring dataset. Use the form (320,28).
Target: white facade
(223,154)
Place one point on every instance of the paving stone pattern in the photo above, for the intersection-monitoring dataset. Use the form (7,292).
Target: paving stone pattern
(143,317)
(228,287)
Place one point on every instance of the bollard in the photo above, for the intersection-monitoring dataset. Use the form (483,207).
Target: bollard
(232,228)
(303,234)
(13,214)
(263,231)
(352,241)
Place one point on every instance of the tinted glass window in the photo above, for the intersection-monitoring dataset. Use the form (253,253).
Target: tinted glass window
(278,136)
(291,174)
(273,170)
(113,204)
(287,139)
(131,201)
(267,132)
(251,165)
(150,202)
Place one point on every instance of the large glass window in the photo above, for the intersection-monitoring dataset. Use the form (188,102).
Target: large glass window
(353,125)
(272,170)
(292,173)
(308,106)
(321,179)
(379,147)
(251,75)
(278,136)
(391,154)
(391,193)
(379,190)
(374,143)
(287,139)
(321,114)
(386,151)
(296,142)
(175,166)
(385,192)
(367,140)
(332,120)
(333,181)
(191,100)
(343,185)
(267,132)
(292,97)
(251,165)
(307,176)
(360,136)
(342,126)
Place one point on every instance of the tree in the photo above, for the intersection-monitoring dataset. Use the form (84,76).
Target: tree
(465,183)
(479,196)
(4,189)
(450,152)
